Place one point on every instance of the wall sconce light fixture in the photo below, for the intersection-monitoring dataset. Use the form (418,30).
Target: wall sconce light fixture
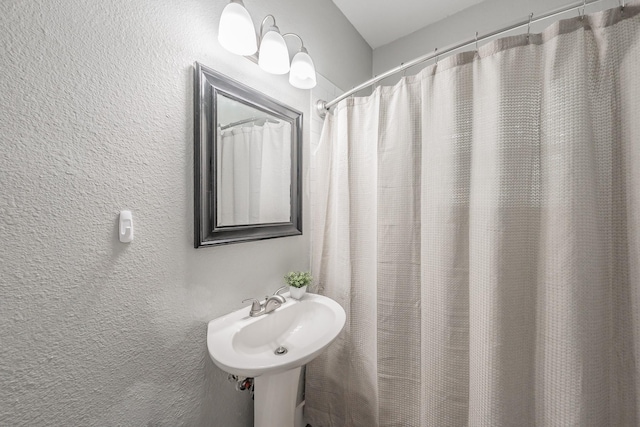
(236,33)
(303,71)
(273,56)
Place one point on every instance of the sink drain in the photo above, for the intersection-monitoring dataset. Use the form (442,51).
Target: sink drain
(280,351)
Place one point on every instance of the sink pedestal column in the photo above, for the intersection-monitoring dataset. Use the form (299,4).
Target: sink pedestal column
(275,398)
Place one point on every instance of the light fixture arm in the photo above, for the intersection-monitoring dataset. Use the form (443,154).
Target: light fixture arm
(264,21)
(302,48)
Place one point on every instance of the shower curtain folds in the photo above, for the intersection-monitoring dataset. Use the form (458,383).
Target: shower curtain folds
(479,222)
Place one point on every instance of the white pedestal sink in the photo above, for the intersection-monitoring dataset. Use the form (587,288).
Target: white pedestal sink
(272,348)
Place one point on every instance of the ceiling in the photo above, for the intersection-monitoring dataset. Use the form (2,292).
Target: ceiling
(382,21)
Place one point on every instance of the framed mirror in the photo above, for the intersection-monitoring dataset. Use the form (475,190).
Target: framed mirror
(247,163)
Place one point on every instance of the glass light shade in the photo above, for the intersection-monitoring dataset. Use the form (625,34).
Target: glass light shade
(303,72)
(274,55)
(236,32)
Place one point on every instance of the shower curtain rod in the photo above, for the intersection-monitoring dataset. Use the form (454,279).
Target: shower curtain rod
(245,121)
(323,106)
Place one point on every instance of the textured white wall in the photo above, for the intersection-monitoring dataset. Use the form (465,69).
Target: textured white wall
(97,116)
(484,17)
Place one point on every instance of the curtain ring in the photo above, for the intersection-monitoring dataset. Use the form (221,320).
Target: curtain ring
(477,51)
(584,10)
(437,56)
(621,3)
(529,26)
(404,71)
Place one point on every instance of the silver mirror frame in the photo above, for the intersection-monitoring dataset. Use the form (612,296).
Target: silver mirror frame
(208,84)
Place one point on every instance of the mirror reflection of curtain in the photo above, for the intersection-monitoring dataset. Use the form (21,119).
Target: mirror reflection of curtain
(254,174)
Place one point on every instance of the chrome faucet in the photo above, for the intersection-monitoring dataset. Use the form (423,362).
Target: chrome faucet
(269,304)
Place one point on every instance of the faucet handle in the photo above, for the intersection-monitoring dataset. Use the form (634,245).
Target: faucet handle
(281,289)
(255,305)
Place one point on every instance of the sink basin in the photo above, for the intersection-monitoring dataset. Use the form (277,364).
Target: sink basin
(246,346)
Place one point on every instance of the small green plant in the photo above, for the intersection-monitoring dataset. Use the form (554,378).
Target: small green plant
(298,279)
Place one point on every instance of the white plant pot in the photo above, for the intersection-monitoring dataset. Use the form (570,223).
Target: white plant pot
(297,293)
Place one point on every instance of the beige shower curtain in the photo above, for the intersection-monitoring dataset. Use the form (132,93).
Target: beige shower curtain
(480,224)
